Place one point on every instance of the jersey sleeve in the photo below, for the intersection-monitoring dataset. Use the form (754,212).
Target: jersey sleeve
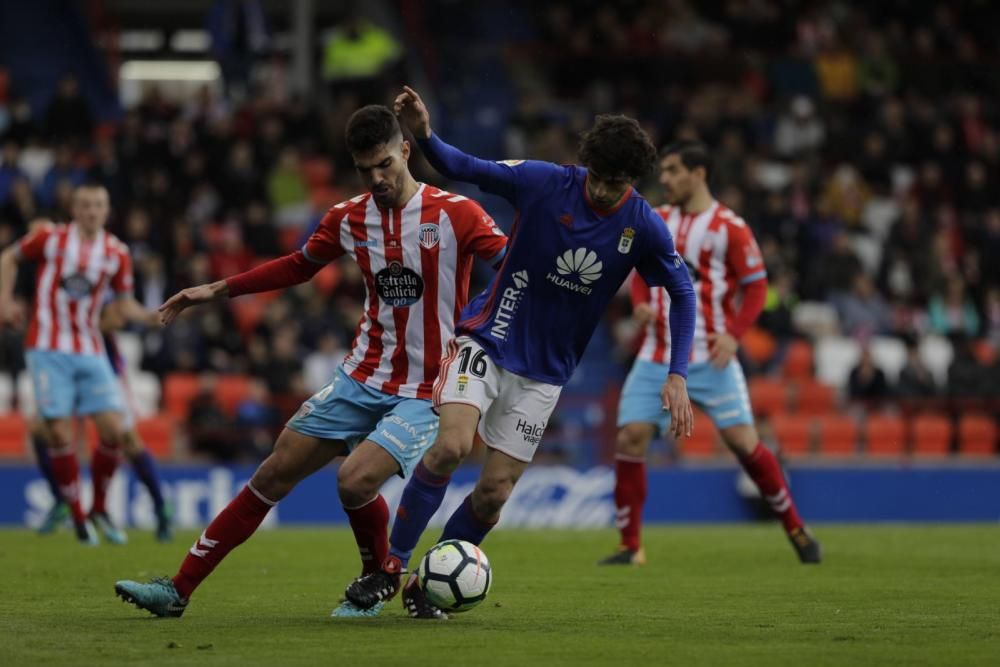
(743,258)
(477,233)
(32,246)
(517,181)
(324,245)
(123,282)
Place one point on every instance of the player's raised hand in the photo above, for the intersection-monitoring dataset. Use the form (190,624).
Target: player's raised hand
(642,314)
(721,349)
(412,111)
(192,296)
(12,313)
(675,399)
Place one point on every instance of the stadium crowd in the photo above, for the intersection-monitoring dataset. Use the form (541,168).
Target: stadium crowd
(861,141)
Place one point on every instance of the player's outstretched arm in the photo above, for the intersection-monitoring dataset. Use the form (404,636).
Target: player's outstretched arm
(449,161)
(279,273)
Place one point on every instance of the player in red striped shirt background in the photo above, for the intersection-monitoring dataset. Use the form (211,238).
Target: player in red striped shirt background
(731,286)
(415,245)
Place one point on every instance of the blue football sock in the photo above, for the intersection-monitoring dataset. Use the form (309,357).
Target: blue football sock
(145,470)
(421,499)
(45,466)
(465,525)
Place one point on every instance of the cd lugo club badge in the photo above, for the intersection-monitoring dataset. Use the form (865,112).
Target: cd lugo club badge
(399,286)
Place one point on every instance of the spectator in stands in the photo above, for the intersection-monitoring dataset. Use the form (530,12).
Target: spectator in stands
(9,169)
(862,311)
(209,427)
(63,170)
(800,131)
(967,376)
(68,118)
(867,382)
(257,422)
(355,54)
(319,365)
(915,379)
(20,208)
(951,312)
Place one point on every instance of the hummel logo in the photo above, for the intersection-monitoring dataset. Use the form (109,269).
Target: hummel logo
(206,545)
(520,279)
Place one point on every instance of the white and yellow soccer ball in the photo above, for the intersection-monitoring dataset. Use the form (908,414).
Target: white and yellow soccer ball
(455,575)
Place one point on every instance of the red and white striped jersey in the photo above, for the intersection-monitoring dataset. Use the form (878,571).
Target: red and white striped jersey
(72,279)
(416,261)
(721,254)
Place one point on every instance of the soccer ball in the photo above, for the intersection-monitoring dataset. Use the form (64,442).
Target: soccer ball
(455,575)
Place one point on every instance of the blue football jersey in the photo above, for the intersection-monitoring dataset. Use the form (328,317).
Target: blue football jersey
(564,263)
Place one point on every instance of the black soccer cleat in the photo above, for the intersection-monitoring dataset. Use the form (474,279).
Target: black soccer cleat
(625,556)
(380,586)
(416,603)
(806,546)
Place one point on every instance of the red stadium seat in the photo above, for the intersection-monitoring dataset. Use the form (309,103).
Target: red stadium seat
(798,364)
(13,436)
(179,389)
(977,435)
(931,435)
(702,443)
(247,312)
(317,172)
(814,398)
(231,390)
(793,433)
(158,433)
(885,435)
(838,435)
(758,345)
(769,396)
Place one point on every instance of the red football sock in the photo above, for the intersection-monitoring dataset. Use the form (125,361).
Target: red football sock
(370,524)
(66,471)
(103,463)
(229,529)
(630,496)
(764,470)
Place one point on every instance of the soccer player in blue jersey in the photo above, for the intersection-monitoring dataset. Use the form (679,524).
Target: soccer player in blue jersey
(580,232)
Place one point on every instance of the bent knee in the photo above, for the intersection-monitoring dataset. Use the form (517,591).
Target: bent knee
(448,451)
(355,485)
(633,439)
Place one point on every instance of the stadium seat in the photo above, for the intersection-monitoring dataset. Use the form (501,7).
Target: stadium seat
(835,357)
(977,435)
(985,352)
(815,398)
(931,435)
(937,352)
(145,389)
(793,433)
(6,394)
(815,319)
(13,436)
(702,443)
(247,313)
(179,389)
(769,396)
(838,435)
(130,346)
(230,390)
(758,345)
(158,433)
(889,354)
(885,435)
(798,362)
(25,394)
(317,172)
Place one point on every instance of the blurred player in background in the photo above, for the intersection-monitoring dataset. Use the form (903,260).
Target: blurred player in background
(580,233)
(135,451)
(70,370)
(415,245)
(725,263)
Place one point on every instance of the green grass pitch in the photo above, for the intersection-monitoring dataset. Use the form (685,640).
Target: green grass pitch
(720,595)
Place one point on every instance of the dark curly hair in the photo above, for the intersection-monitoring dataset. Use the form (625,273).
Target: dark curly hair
(371,126)
(617,146)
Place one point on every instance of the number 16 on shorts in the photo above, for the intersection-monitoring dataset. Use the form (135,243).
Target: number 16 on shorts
(514,410)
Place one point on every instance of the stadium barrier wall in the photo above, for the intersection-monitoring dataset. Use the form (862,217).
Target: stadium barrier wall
(559,496)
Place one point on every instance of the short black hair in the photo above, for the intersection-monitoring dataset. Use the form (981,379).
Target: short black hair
(693,154)
(371,126)
(617,146)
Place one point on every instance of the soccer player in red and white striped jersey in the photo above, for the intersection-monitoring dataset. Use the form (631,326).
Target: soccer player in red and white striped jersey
(731,285)
(65,354)
(415,245)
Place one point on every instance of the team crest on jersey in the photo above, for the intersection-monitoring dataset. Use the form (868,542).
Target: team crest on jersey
(462,384)
(429,235)
(625,242)
(77,286)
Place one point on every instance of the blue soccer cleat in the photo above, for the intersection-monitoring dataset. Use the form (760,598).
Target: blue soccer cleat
(348,609)
(158,597)
(57,516)
(102,522)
